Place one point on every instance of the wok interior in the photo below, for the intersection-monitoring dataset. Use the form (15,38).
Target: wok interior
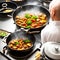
(20,44)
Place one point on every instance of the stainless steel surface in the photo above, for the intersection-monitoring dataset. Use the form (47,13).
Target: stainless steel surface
(7,24)
(2,57)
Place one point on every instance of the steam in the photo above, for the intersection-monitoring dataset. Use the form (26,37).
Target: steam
(33,10)
(19,35)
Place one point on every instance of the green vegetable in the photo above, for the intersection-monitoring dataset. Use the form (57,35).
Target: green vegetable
(16,43)
(29,22)
(27,15)
(34,17)
(3,33)
(27,41)
(28,27)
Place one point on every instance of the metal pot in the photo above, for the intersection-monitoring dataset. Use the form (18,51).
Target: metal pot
(52,50)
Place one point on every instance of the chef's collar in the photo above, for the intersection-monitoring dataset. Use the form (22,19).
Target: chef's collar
(54,22)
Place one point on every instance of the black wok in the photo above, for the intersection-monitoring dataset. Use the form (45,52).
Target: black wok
(7,6)
(35,9)
(18,35)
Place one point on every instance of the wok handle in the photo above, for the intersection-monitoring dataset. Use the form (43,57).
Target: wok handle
(9,16)
(33,32)
(4,49)
(29,32)
(4,39)
(22,29)
(41,44)
(4,5)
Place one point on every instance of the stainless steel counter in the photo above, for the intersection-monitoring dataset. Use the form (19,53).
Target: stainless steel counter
(7,24)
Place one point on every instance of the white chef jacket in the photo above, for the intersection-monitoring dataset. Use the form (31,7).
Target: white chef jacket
(51,33)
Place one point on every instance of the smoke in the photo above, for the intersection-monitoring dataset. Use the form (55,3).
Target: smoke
(33,10)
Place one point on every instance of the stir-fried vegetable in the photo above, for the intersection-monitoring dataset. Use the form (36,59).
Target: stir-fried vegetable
(27,15)
(2,33)
(20,44)
(28,26)
(31,20)
(27,41)
(34,17)
(16,43)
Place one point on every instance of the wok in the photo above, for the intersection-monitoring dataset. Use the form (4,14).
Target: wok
(18,35)
(4,6)
(34,9)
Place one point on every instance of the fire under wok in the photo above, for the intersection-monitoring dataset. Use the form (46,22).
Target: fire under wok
(31,18)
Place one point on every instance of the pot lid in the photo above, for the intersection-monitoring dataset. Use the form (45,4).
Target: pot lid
(52,50)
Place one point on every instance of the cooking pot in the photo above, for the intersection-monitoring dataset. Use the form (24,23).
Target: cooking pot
(33,9)
(51,50)
(18,35)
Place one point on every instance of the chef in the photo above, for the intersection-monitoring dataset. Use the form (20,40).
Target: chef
(51,33)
